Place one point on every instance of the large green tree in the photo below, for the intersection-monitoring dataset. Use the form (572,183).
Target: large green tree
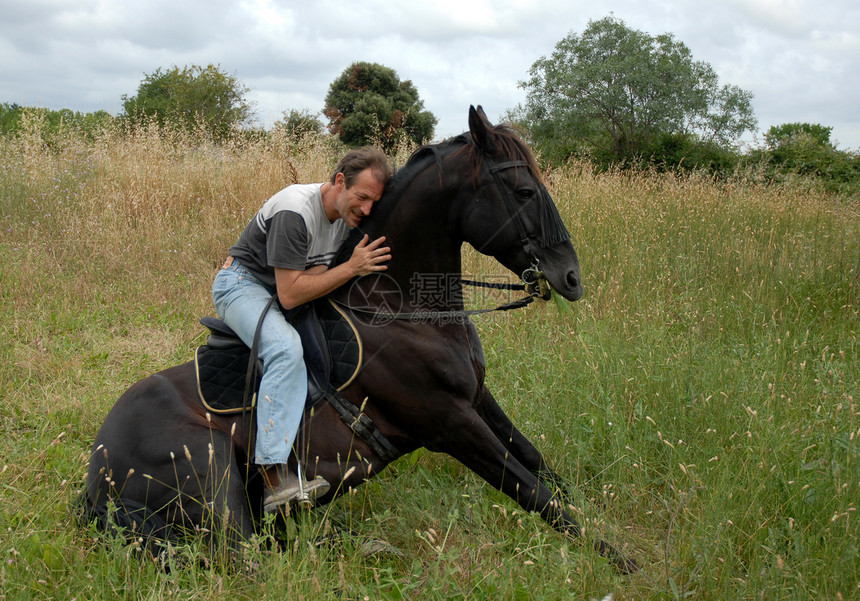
(369,104)
(190,97)
(615,93)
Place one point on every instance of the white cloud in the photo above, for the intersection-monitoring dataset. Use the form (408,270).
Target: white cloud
(800,58)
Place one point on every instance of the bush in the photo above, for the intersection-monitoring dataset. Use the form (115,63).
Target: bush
(687,153)
(804,150)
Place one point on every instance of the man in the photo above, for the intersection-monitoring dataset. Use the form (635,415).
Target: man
(286,250)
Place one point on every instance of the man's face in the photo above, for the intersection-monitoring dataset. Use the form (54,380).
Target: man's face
(355,203)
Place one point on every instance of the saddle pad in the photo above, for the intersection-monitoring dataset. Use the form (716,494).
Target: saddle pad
(221,370)
(221,374)
(344,344)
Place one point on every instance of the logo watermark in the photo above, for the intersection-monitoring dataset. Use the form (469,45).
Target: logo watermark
(377,302)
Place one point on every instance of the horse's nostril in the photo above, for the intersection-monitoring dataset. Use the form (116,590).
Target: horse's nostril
(572,280)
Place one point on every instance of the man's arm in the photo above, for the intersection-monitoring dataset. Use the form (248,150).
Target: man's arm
(296,287)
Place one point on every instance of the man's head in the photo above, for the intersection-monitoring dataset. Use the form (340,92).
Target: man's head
(359,159)
(359,180)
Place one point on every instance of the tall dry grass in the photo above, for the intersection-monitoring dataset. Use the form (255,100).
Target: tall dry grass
(701,399)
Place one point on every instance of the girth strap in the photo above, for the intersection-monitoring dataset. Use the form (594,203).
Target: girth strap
(363,427)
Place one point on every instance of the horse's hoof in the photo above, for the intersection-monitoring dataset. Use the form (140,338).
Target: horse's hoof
(374,546)
(619,561)
(625,565)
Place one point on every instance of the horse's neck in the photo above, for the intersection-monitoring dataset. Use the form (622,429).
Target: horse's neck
(425,249)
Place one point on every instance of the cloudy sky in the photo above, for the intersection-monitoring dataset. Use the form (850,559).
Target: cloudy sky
(800,58)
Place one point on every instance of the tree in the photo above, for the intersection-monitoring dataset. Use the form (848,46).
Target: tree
(812,134)
(191,97)
(368,103)
(613,92)
(299,124)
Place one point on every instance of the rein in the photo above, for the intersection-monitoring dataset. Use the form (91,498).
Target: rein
(533,281)
(430,314)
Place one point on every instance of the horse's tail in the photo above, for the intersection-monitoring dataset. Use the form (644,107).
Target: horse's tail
(132,521)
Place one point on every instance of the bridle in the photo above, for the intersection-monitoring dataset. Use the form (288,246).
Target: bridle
(533,278)
(510,203)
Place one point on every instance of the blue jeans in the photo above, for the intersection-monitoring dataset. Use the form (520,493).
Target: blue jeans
(239,300)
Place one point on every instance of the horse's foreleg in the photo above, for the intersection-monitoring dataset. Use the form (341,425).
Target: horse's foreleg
(483,451)
(480,449)
(513,440)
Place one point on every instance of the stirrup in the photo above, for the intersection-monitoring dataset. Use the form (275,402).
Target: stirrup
(292,489)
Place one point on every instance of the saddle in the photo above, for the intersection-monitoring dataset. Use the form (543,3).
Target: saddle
(332,353)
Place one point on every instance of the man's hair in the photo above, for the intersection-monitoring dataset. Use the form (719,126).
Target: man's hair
(357,160)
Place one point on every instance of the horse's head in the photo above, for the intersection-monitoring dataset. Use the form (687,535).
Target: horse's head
(511,215)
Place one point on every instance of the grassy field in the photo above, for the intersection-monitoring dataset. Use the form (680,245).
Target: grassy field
(701,399)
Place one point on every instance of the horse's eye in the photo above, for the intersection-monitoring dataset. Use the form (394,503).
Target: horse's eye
(525,194)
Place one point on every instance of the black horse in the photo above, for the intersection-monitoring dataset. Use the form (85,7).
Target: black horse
(160,460)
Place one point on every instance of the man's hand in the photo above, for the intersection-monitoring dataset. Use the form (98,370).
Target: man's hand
(368,257)
(296,287)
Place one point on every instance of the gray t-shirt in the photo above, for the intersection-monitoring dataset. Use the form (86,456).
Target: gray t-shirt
(291,230)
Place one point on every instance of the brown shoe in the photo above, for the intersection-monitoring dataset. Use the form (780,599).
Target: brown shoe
(283,488)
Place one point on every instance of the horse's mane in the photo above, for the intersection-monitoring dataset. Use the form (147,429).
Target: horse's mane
(508,146)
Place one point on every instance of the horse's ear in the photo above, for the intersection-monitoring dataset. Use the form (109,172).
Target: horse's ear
(481,129)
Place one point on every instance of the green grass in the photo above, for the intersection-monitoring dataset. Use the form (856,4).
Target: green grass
(700,400)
